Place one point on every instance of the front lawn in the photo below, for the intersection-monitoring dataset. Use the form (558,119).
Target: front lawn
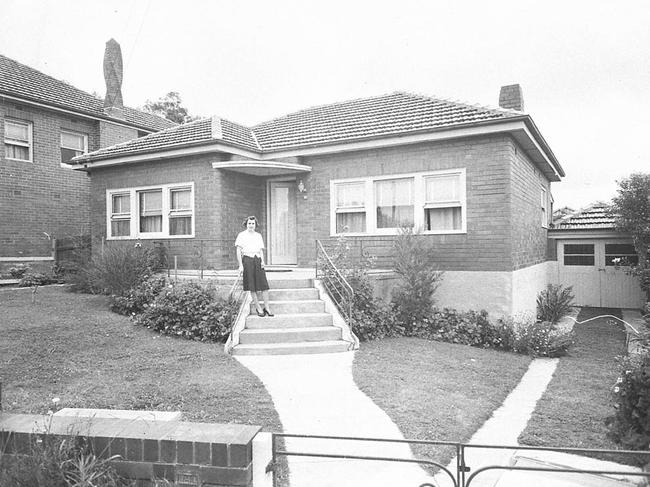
(572,411)
(70,346)
(435,390)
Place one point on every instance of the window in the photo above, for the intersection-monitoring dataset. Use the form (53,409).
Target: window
(579,254)
(433,201)
(544,206)
(180,211)
(18,140)
(151,212)
(625,253)
(72,145)
(442,203)
(394,203)
(350,208)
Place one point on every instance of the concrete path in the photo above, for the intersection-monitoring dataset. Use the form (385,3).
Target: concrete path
(315,394)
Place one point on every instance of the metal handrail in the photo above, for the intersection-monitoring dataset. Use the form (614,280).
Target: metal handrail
(340,289)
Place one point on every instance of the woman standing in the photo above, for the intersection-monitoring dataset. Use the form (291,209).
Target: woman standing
(250,257)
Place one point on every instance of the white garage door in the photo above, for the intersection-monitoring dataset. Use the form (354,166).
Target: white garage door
(588,266)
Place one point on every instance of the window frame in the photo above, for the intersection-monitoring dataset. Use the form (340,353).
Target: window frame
(72,132)
(134,211)
(419,202)
(544,206)
(30,137)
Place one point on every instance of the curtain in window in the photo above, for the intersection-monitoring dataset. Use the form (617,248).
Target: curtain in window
(121,228)
(181,199)
(17,152)
(443,218)
(180,225)
(350,222)
(350,195)
(151,211)
(17,131)
(394,200)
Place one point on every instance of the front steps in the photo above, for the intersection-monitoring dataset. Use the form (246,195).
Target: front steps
(301,323)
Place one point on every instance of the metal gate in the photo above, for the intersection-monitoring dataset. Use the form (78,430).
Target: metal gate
(460,472)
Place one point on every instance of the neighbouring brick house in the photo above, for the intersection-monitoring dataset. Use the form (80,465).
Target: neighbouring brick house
(475,180)
(45,122)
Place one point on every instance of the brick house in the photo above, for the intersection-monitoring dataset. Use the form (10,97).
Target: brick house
(45,122)
(475,180)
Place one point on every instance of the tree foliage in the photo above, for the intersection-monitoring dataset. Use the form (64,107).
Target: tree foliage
(170,107)
(631,208)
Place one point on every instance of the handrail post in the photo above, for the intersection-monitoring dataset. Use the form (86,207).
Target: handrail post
(316,262)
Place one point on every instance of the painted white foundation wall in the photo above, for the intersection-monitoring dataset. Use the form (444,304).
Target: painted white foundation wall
(526,285)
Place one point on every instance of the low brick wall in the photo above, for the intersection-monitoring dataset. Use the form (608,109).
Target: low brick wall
(202,454)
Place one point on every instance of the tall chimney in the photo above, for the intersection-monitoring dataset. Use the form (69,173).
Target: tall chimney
(113,104)
(510,97)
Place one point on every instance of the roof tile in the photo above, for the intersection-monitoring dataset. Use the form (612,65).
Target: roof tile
(594,217)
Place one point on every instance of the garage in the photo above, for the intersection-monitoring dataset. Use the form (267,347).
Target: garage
(588,248)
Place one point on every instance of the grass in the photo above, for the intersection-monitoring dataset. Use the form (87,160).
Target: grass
(70,346)
(572,411)
(434,390)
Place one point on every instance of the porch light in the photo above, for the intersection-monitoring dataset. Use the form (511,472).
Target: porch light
(301,187)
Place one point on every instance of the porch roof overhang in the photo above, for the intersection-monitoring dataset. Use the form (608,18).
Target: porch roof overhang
(262,168)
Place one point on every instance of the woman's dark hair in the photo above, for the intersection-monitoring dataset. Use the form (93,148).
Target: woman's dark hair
(252,217)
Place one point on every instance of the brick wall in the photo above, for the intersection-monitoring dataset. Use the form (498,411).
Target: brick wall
(111,134)
(222,200)
(41,197)
(529,237)
(487,243)
(205,453)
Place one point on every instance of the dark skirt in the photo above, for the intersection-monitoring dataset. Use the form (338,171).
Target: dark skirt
(254,278)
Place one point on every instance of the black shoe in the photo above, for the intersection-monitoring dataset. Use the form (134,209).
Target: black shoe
(267,313)
(261,314)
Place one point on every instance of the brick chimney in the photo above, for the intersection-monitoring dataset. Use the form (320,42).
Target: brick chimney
(113,104)
(511,97)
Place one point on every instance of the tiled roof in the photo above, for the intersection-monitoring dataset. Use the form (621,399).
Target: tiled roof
(594,217)
(21,81)
(394,114)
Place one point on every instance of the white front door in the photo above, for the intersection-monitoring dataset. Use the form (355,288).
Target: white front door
(588,266)
(282,223)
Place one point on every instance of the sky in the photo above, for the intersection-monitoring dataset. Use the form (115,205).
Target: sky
(584,66)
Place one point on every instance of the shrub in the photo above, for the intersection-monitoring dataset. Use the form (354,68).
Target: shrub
(539,338)
(630,425)
(54,461)
(190,311)
(138,298)
(19,271)
(115,271)
(35,279)
(554,302)
(419,277)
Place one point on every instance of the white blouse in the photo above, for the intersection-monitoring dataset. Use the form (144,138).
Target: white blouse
(250,243)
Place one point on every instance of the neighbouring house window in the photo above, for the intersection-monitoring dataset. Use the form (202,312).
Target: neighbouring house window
(620,254)
(394,203)
(579,254)
(442,202)
(350,208)
(544,207)
(72,145)
(151,212)
(434,202)
(120,215)
(180,211)
(18,140)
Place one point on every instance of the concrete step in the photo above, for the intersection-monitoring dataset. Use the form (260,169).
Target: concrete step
(331,346)
(290,283)
(294,320)
(293,307)
(290,335)
(293,294)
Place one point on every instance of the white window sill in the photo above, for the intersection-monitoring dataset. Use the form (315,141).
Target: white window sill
(396,232)
(150,237)
(18,160)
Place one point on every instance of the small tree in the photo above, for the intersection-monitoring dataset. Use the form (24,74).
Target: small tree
(169,107)
(631,209)
(419,277)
